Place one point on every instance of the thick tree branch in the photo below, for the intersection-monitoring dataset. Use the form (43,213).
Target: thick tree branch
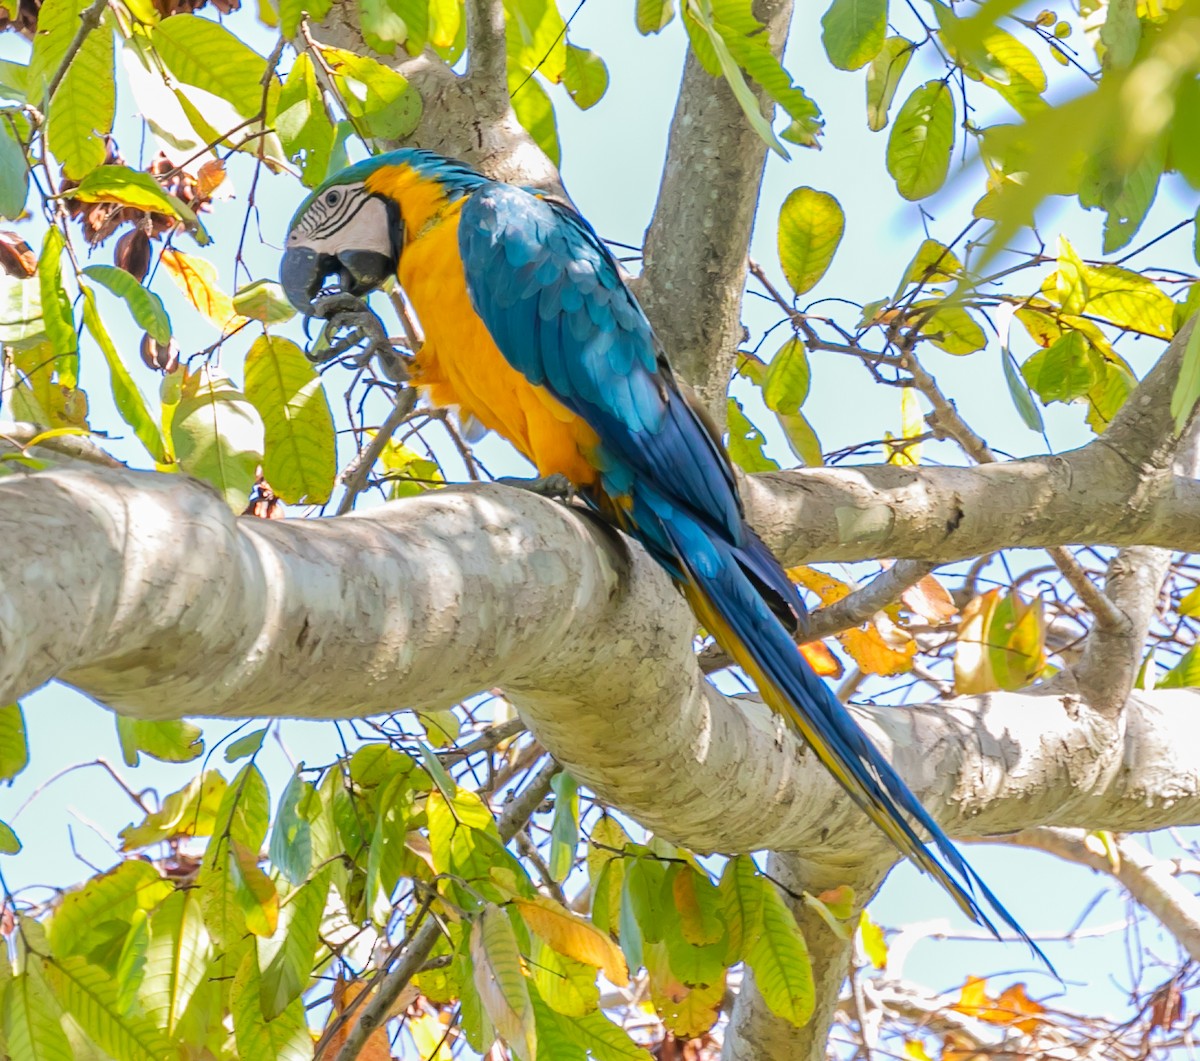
(117,584)
(695,253)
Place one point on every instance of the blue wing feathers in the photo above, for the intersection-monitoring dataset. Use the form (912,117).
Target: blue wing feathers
(553,300)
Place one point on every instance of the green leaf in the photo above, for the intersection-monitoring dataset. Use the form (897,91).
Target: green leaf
(168,740)
(218,435)
(811,224)
(1185,674)
(500,981)
(1063,371)
(1187,386)
(585,77)
(175,960)
(1121,34)
(742,895)
(291,834)
(921,140)
(779,957)
(205,54)
(130,401)
(10,843)
(145,306)
(241,822)
(286,1038)
(245,746)
(883,78)
(567,986)
(81,112)
(299,456)
(386,23)
(263,300)
(853,31)
(286,958)
(375,97)
(1109,394)
(57,315)
(536,113)
(14,172)
(701,15)
(21,322)
(603,1040)
(951,327)
(788,376)
(1020,395)
(133,188)
(385,855)
(564,829)
(192,811)
(933,263)
(746,441)
(303,123)
(89,915)
(91,996)
(14,745)
(57,23)
(653,16)
(801,438)
(291,11)
(1116,295)
(536,39)
(31,1025)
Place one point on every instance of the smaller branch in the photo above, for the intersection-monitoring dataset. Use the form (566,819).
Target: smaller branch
(1106,612)
(858,607)
(945,417)
(852,610)
(355,476)
(415,953)
(487,57)
(1151,881)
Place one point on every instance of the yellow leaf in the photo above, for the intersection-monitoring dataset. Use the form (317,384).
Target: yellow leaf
(430,1036)
(1190,605)
(874,655)
(972,661)
(870,650)
(687,1012)
(915,1049)
(571,935)
(874,945)
(197,278)
(973,999)
(912,425)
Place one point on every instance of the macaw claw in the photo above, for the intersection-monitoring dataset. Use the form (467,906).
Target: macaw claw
(556,487)
(350,322)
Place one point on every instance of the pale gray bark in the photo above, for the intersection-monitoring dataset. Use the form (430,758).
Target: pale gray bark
(695,254)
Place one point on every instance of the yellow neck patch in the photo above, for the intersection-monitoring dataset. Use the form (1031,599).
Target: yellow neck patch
(419,198)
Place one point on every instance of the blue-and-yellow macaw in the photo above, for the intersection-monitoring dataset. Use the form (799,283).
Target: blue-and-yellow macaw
(530,329)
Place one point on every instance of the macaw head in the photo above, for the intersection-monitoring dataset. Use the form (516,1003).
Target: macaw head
(344,232)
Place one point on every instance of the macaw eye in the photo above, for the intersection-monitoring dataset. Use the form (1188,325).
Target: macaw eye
(332,198)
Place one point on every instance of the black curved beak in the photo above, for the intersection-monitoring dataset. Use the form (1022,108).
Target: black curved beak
(303,273)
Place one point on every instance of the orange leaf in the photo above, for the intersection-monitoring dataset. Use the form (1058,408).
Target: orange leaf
(822,661)
(1013,1003)
(828,588)
(377,1048)
(571,935)
(197,278)
(874,655)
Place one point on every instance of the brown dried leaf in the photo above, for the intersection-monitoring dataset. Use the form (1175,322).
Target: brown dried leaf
(930,600)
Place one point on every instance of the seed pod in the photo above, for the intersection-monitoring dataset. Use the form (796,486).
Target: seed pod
(133,254)
(162,357)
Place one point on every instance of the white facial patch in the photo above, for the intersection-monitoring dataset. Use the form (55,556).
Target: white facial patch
(345,216)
